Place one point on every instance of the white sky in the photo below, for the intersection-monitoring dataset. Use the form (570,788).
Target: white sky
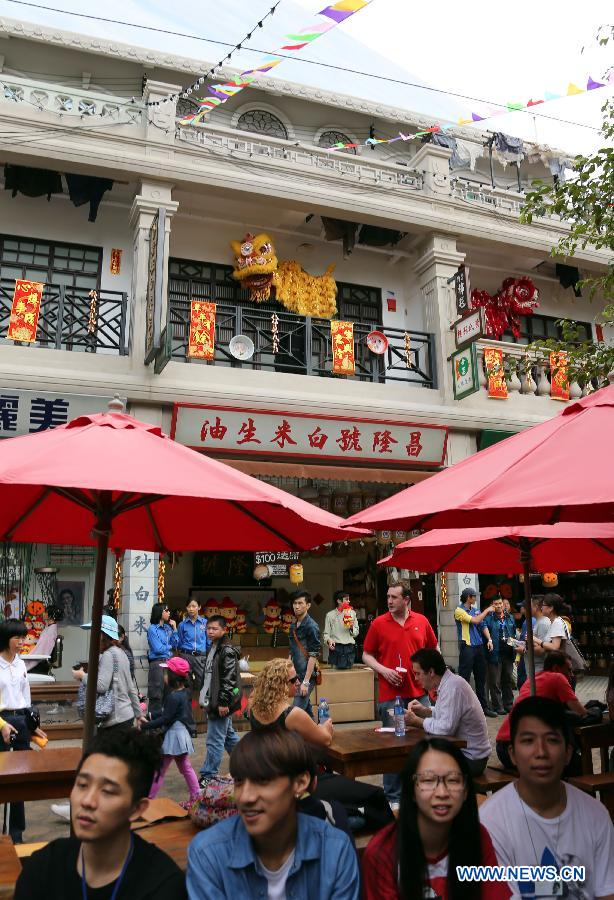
(494,52)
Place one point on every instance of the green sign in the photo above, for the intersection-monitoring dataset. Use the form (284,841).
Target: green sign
(465,372)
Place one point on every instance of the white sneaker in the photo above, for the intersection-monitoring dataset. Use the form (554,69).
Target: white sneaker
(62,810)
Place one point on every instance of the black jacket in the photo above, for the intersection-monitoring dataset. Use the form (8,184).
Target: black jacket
(225,680)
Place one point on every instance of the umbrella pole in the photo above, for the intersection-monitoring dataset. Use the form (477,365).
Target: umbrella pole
(525,557)
(102,529)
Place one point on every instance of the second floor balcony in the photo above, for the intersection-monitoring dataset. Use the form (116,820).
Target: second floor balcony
(304,345)
(73,318)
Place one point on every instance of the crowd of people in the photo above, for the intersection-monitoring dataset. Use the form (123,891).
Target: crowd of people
(292,834)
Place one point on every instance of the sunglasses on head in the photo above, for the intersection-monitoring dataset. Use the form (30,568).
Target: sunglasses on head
(294,679)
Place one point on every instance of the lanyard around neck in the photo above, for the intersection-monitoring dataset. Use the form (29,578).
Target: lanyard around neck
(121,874)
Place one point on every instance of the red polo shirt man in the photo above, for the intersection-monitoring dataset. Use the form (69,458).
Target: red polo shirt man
(389,645)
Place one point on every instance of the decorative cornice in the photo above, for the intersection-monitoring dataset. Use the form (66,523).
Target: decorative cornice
(154,58)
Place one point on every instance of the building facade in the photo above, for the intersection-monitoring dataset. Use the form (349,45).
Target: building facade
(81,142)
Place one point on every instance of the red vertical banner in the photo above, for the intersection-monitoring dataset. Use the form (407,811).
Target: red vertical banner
(497,385)
(559,381)
(342,340)
(115,265)
(201,343)
(25,311)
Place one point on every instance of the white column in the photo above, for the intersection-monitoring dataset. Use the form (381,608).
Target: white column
(448,636)
(144,207)
(139,593)
(438,261)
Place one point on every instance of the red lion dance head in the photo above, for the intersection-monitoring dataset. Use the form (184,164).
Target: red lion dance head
(515,298)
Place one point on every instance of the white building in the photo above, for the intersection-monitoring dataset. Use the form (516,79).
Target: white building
(258,165)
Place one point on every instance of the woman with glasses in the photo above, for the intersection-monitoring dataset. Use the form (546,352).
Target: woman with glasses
(162,639)
(438,830)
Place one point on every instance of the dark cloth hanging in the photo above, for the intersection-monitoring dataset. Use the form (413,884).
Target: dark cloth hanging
(86,189)
(507,144)
(32,182)
(374,236)
(569,276)
(339,229)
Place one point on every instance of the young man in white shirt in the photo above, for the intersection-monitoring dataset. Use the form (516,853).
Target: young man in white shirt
(540,820)
(339,636)
(457,712)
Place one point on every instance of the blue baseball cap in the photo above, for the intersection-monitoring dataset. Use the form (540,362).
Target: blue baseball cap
(109,626)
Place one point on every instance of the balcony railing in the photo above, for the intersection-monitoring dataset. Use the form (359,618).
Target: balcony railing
(65,315)
(527,372)
(305,346)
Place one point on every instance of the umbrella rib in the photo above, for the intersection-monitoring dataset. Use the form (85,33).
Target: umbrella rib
(449,562)
(154,527)
(8,534)
(602,545)
(257,519)
(145,500)
(74,496)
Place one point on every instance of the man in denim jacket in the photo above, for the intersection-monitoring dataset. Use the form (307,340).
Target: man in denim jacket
(270,849)
(304,648)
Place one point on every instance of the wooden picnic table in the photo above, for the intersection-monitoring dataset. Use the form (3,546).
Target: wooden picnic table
(10,867)
(365,751)
(38,774)
(173,837)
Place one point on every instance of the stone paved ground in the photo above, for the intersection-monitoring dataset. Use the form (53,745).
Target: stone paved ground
(42,825)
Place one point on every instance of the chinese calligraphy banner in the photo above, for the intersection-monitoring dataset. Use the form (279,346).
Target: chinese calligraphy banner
(469,329)
(25,311)
(228,430)
(115,265)
(342,340)
(201,343)
(559,382)
(497,385)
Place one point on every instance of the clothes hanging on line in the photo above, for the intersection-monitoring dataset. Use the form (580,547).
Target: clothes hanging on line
(32,182)
(87,189)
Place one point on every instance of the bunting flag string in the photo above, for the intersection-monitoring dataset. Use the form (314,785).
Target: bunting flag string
(333,15)
(572,90)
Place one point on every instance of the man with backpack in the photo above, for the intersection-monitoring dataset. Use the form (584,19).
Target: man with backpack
(220,696)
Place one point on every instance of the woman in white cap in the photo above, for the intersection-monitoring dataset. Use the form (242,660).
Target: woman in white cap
(114,670)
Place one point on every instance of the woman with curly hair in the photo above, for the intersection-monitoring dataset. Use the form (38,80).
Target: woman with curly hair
(271,704)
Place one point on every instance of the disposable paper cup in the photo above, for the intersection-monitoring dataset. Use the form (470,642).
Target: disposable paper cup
(401,670)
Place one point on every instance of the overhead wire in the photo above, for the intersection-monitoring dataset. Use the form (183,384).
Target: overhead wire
(455,94)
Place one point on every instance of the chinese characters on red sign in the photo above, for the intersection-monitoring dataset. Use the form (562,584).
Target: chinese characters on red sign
(281,434)
(348,439)
(201,343)
(25,311)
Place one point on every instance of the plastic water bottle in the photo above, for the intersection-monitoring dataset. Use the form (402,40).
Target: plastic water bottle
(399,718)
(323,710)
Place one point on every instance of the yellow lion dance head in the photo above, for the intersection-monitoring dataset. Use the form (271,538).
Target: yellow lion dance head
(258,269)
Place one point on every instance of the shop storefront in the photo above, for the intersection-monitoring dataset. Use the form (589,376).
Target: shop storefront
(340,464)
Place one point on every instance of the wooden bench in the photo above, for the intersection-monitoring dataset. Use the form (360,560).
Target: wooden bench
(492,780)
(595,737)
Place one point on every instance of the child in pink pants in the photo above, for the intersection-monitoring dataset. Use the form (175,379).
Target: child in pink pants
(178,724)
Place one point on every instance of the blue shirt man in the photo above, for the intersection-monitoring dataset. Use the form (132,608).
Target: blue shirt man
(500,675)
(193,643)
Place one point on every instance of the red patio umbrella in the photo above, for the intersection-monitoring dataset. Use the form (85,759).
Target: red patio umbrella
(558,471)
(112,481)
(516,548)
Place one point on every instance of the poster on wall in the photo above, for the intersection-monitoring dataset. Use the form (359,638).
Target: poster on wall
(70,599)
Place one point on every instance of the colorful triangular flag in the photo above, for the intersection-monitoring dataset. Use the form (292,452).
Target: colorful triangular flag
(534,102)
(477,118)
(591,85)
(573,89)
(549,96)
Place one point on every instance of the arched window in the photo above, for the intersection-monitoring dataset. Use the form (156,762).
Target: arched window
(330,138)
(261,121)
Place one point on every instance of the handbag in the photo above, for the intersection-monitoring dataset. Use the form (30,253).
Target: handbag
(215,802)
(573,653)
(105,702)
(317,672)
